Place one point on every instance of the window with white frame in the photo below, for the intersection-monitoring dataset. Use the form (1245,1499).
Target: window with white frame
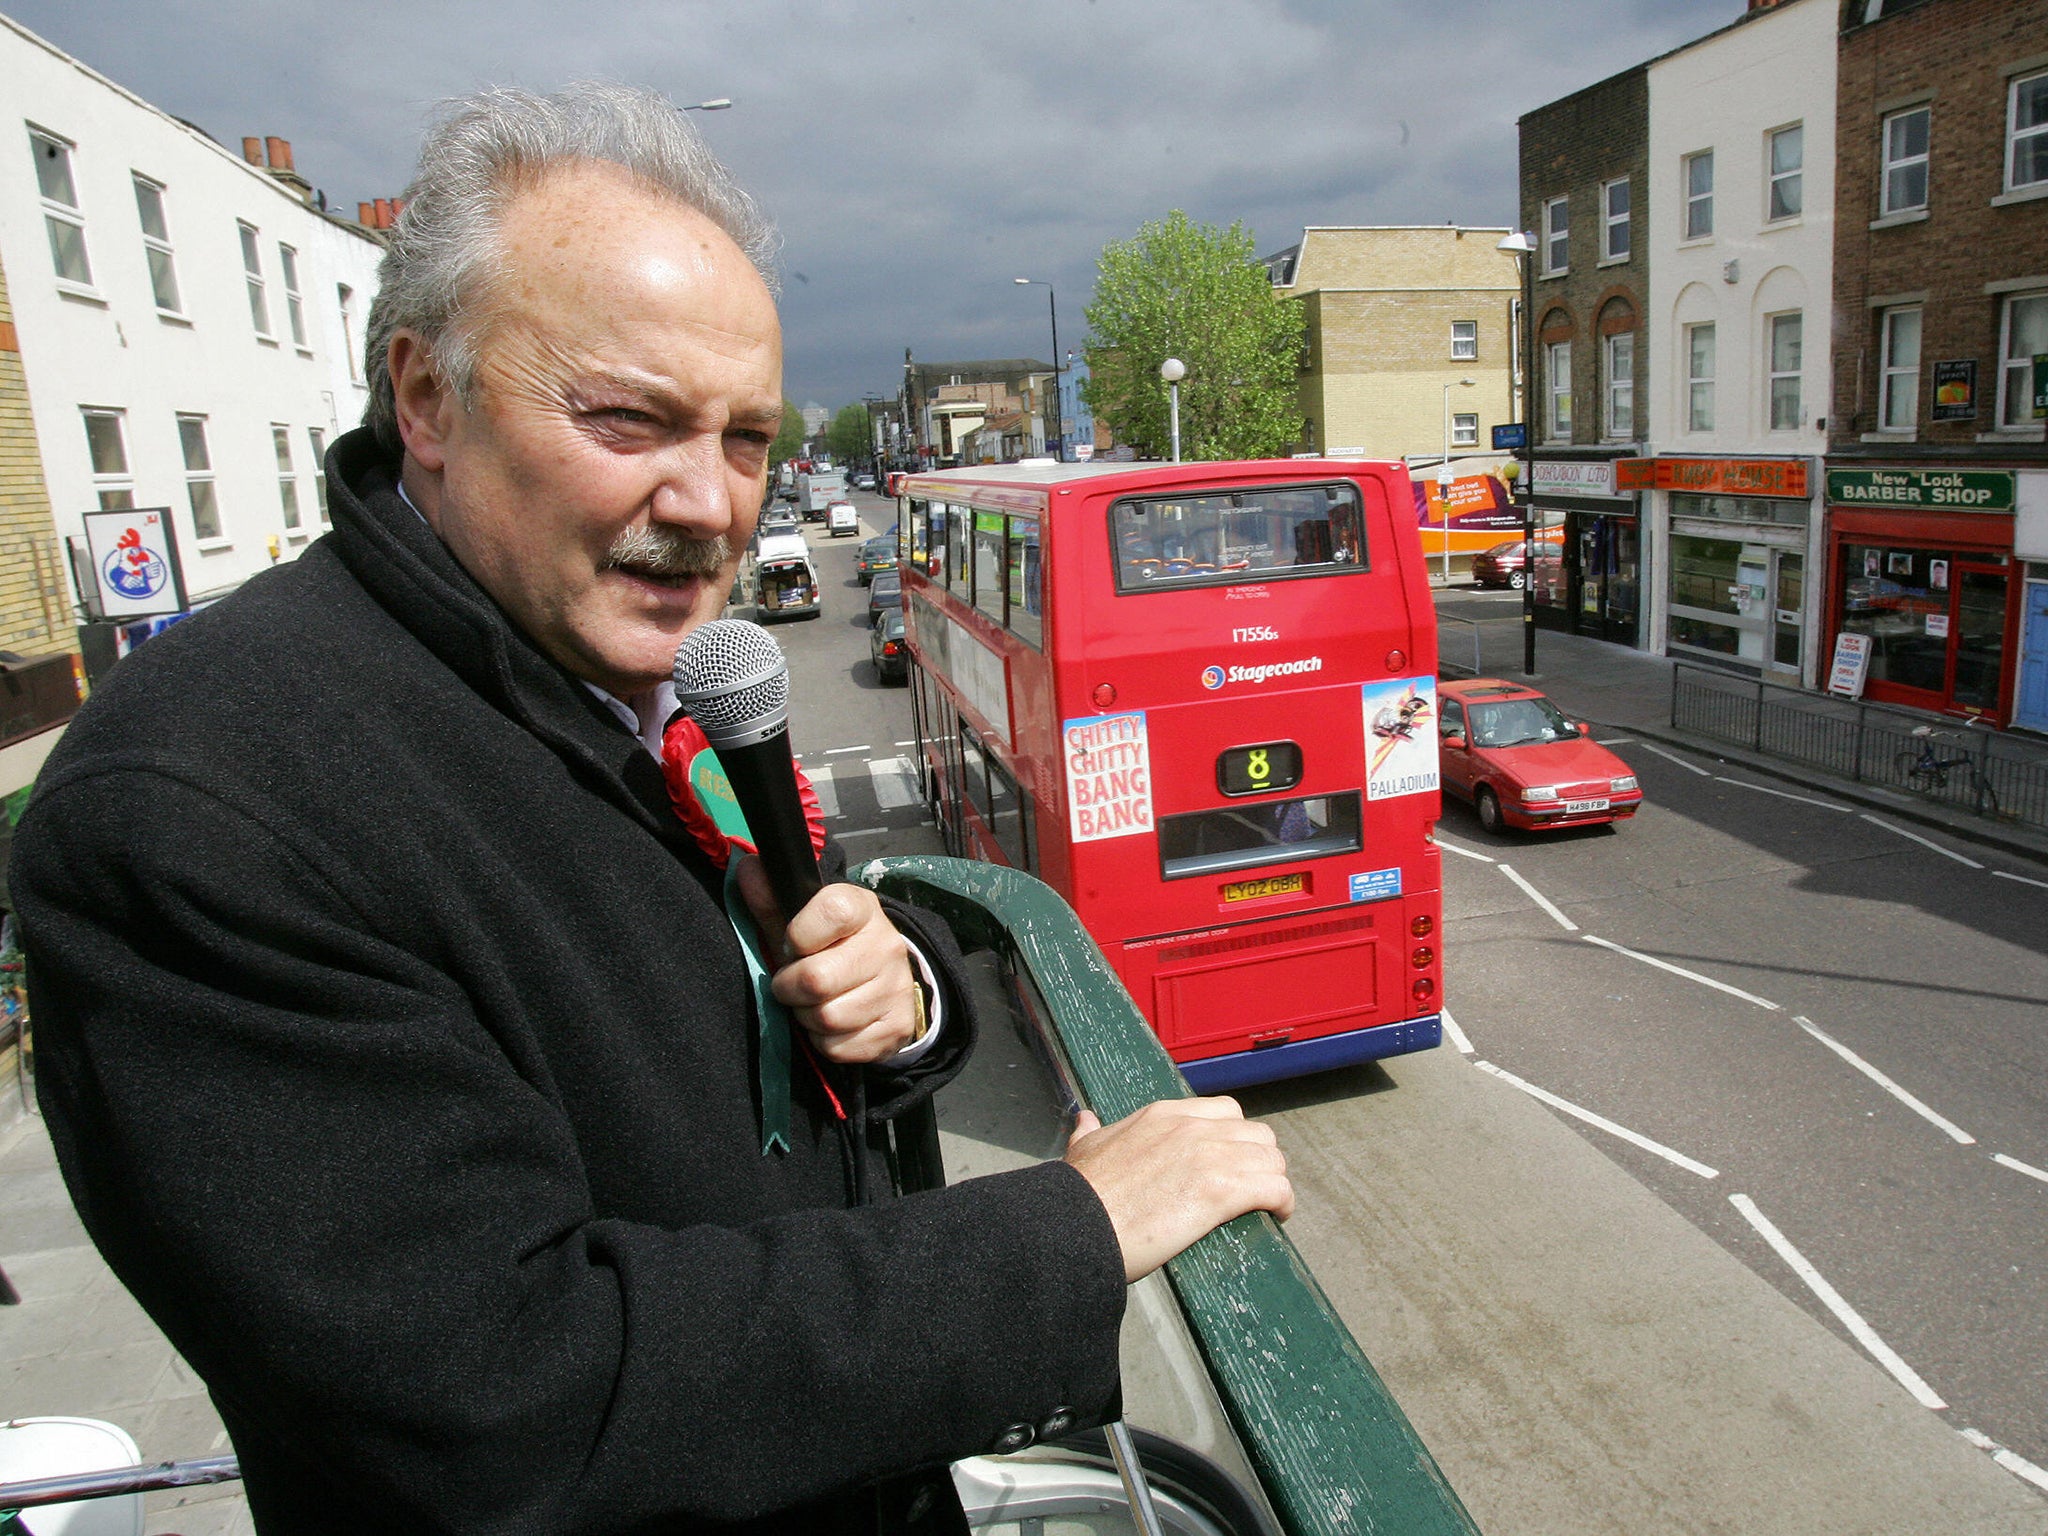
(1786,151)
(1699,377)
(2026,133)
(1557,227)
(156,245)
(1904,144)
(1464,339)
(1614,205)
(1699,195)
(1618,372)
(318,440)
(287,479)
(252,270)
(199,492)
(1786,332)
(2022,337)
(1898,401)
(1557,386)
(294,306)
(1464,429)
(63,218)
(106,444)
(345,298)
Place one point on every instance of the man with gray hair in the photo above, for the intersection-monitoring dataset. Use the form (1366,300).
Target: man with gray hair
(395,1038)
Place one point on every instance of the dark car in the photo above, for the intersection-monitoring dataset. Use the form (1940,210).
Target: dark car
(885,593)
(876,555)
(1504,565)
(888,649)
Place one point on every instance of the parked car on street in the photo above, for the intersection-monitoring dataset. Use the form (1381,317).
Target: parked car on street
(885,592)
(876,554)
(1518,759)
(776,522)
(864,482)
(1504,565)
(840,518)
(888,649)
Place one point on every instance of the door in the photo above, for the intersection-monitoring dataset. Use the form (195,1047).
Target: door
(1788,610)
(1455,762)
(2030,707)
(1977,643)
(1750,591)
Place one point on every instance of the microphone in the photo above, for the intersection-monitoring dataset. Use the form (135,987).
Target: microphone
(732,680)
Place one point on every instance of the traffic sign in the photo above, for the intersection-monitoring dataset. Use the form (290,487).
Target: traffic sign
(1514,434)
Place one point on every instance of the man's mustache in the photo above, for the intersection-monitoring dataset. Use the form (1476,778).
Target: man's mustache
(667,552)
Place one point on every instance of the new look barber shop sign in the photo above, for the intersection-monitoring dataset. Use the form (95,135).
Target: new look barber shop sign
(135,560)
(1944,490)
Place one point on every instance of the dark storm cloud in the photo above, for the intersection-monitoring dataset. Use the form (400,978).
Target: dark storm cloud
(920,156)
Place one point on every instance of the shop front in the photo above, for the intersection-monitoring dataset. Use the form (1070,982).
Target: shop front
(1921,562)
(1587,572)
(1740,538)
(2030,546)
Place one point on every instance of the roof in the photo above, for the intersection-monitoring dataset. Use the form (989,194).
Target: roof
(1488,688)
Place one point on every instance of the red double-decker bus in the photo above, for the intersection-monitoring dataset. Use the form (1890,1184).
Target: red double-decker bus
(1199,701)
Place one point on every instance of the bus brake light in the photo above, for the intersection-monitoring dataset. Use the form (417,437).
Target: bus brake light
(1423,958)
(1423,990)
(1422,926)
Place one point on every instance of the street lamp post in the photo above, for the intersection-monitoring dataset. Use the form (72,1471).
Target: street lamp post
(1523,249)
(716,104)
(1173,370)
(1057,421)
(1443,474)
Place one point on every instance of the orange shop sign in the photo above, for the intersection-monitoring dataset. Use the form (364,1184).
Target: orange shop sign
(1716,477)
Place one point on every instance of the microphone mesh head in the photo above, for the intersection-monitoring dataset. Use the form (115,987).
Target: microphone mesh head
(731,678)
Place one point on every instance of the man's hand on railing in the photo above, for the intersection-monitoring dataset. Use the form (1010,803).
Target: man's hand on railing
(1176,1170)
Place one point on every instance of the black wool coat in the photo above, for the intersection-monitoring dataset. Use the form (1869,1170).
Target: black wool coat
(396,1049)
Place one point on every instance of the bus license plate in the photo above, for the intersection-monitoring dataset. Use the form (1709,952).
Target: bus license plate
(1273,885)
(1580,807)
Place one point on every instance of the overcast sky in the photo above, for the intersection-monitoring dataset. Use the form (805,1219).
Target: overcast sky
(918,156)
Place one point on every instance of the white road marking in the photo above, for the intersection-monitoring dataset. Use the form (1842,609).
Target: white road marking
(1470,853)
(841,751)
(866,832)
(1831,1298)
(1668,757)
(1955,1132)
(1946,853)
(2019,1167)
(903,743)
(1601,1121)
(1826,805)
(1457,1035)
(827,791)
(1613,741)
(1539,898)
(1679,970)
(895,784)
(2014,1463)
(2023,880)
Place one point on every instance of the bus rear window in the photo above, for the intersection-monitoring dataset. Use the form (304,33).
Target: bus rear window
(1226,537)
(1246,836)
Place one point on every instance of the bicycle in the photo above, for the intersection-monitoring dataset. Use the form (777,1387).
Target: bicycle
(1927,772)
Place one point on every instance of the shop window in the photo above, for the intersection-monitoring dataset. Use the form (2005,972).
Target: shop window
(1904,185)
(1900,598)
(199,491)
(2023,336)
(63,217)
(1614,207)
(1464,339)
(1464,429)
(2026,133)
(1699,378)
(1699,195)
(1787,166)
(252,273)
(156,245)
(1557,363)
(1706,576)
(106,442)
(1618,364)
(1785,332)
(1556,237)
(1899,399)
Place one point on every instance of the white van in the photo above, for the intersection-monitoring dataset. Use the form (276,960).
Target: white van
(840,518)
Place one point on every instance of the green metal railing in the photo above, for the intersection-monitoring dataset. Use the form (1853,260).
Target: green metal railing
(1330,1445)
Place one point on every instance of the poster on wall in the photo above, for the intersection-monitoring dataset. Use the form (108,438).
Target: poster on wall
(1955,390)
(1108,760)
(1400,737)
(1937,575)
(134,556)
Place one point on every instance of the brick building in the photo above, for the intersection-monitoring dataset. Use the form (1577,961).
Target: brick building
(1937,483)
(947,404)
(1585,191)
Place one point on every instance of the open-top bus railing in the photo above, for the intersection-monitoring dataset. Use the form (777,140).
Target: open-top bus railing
(1332,1451)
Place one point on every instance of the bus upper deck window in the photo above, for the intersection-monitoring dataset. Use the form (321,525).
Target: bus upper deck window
(1223,537)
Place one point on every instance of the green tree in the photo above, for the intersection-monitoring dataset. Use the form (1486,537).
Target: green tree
(789,439)
(849,437)
(1198,293)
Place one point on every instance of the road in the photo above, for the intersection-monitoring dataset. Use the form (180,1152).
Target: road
(1819,1036)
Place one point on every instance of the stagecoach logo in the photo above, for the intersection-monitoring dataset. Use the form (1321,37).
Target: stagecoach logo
(1215,677)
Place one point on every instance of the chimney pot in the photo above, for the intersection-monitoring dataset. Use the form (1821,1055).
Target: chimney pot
(252,150)
(279,152)
(366,215)
(385,217)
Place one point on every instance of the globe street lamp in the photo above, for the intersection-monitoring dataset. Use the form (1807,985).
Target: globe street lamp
(1523,248)
(1443,473)
(1058,420)
(1173,370)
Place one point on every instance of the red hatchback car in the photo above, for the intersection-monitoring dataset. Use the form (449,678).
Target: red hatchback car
(1521,763)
